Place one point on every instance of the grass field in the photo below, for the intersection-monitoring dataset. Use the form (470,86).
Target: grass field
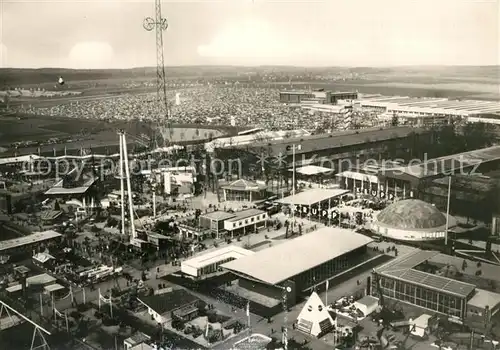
(98,135)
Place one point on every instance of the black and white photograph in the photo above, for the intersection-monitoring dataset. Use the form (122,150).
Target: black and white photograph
(249,174)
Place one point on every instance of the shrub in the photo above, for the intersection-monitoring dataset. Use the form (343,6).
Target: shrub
(212,318)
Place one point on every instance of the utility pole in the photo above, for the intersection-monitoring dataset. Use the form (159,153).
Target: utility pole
(159,24)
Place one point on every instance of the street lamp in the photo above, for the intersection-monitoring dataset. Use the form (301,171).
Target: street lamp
(284,301)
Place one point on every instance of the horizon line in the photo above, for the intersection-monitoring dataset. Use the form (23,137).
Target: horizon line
(264,66)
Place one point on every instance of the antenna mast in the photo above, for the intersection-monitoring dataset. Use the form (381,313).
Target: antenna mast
(159,24)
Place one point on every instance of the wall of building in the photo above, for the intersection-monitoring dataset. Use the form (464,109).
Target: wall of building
(258,220)
(421,296)
(260,288)
(156,316)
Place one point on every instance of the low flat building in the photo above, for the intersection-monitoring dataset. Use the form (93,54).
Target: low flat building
(163,307)
(246,221)
(300,263)
(137,339)
(27,242)
(400,280)
(208,264)
(214,221)
(482,302)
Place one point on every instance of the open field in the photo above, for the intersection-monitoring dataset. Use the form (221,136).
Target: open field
(87,133)
(410,80)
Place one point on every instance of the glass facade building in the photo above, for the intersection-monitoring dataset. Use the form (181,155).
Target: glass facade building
(423,296)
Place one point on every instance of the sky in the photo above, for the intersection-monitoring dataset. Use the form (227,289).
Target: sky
(109,33)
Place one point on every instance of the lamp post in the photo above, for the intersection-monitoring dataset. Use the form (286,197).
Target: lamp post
(284,301)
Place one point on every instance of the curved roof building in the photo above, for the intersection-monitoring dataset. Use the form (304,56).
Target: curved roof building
(412,220)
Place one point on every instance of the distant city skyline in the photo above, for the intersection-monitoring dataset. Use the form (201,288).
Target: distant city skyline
(109,34)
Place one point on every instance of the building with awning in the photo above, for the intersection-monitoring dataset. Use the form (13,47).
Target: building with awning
(243,190)
(358,182)
(314,203)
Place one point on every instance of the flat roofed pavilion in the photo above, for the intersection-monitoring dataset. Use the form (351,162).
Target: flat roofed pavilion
(313,196)
(403,269)
(281,262)
(31,239)
(212,257)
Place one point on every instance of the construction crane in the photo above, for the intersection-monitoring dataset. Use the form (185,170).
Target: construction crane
(160,24)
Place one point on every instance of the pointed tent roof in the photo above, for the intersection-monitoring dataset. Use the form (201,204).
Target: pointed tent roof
(314,319)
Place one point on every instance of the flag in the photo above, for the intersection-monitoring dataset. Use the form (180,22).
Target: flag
(299,147)
(327,285)
(248,309)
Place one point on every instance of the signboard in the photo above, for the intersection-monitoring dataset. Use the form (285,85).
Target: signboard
(314,211)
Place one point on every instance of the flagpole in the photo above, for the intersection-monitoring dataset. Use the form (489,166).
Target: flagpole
(248,318)
(84,301)
(326,292)
(67,323)
(293,187)
(99,291)
(41,305)
(447,212)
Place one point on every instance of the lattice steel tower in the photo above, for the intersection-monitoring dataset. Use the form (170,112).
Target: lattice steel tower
(159,24)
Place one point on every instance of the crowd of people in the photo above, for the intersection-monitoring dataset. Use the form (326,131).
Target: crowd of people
(216,105)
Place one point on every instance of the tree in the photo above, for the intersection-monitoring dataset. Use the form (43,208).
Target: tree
(395,120)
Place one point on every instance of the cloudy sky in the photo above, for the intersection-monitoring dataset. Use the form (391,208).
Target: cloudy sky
(109,33)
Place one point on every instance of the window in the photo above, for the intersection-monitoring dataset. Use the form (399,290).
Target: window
(234,224)
(252,219)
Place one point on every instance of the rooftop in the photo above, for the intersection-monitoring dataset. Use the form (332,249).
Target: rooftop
(243,185)
(484,298)
(412,214)
(218,215)
(167,302)
(253,342)
(231,251)
(58,188)
(247,213)
(449,164)
(53,288)
(312,196)
(275,264)
(43,278)
(137,338)
(313,170)
(402,269)
(335,140)
(31,239)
